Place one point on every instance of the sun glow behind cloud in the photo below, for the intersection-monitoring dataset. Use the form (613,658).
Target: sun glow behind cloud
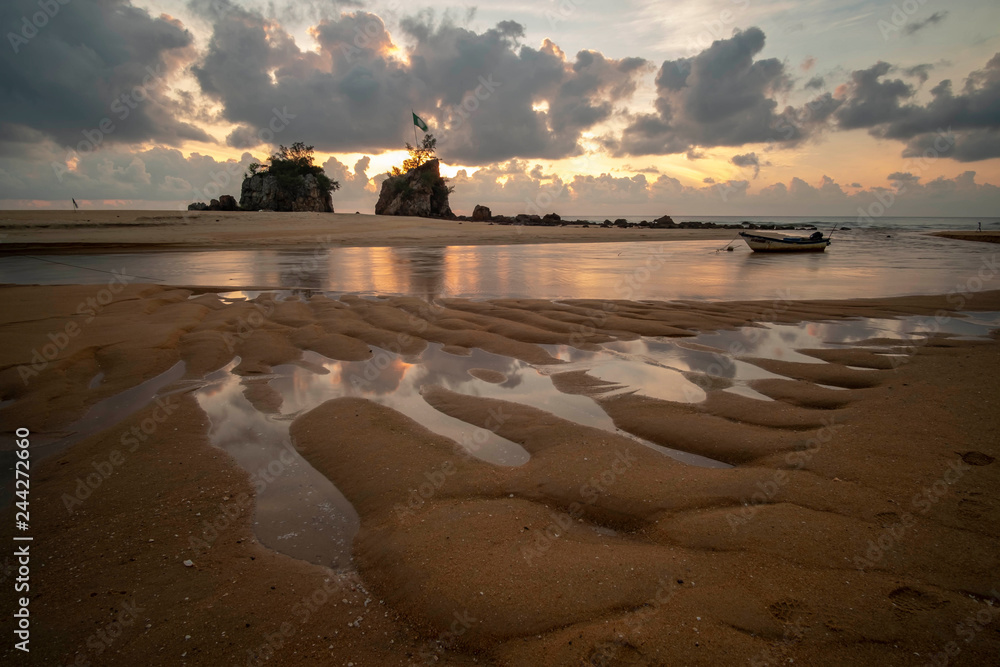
(634,29)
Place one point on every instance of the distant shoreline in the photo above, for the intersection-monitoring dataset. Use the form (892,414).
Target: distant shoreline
(139,231)
(982,237)
(64,232)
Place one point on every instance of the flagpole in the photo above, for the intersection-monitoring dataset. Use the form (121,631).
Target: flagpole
(415,145)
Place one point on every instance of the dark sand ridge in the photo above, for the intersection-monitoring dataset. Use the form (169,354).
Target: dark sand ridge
(780,577)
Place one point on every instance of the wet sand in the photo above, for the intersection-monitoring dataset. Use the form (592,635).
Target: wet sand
(860,525)
(139,231)
(984,237)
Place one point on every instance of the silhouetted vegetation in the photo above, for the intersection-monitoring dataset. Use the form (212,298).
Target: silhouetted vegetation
(418,155)
(289,165)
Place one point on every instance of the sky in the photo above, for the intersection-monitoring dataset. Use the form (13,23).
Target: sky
(579,107)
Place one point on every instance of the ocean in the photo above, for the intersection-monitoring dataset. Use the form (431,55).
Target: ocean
(820,222)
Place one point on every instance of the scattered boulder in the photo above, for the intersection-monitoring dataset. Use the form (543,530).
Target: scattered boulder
(551,217)
(420,192)
(223,203)
(481,214)
(263,191)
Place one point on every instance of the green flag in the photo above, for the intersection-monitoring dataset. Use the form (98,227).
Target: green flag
(419,122)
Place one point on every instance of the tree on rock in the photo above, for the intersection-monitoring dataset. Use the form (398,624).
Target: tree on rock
(418,188)
(289,182)
(418,155)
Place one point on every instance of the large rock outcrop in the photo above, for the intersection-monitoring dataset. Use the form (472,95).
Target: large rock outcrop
(420,192)
(264,192)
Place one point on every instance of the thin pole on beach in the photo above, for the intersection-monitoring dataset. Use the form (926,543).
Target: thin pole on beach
(413,113)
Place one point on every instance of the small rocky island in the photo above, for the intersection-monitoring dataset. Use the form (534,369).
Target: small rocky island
(290,182)
(421,191)
(418,188)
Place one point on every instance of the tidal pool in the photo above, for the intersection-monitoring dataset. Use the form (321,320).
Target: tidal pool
(299,512)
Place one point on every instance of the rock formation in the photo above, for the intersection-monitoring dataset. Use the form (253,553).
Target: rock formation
(223,203)
(421,192)
(481,214)
(264,192)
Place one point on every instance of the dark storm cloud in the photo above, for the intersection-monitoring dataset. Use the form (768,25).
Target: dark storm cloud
(95,67)
(720,97)
(747,160)
(963,126)
(934,18)
(871,101)
(485,93)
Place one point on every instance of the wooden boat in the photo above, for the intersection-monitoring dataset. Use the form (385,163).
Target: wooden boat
(777,242)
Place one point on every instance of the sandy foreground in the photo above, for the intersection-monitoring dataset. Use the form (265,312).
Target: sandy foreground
(860,525)
(110,231)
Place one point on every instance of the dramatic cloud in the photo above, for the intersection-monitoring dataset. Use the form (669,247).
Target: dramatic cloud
(92,74)
(934,18)
(964,126)
(871,101)
(489,97)
(356,191)
(721,97)
(120,173)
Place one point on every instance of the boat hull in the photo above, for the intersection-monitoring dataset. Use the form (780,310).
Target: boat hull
(767,244)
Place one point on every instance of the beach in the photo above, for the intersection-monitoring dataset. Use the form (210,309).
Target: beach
(843,508)
(110,231)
